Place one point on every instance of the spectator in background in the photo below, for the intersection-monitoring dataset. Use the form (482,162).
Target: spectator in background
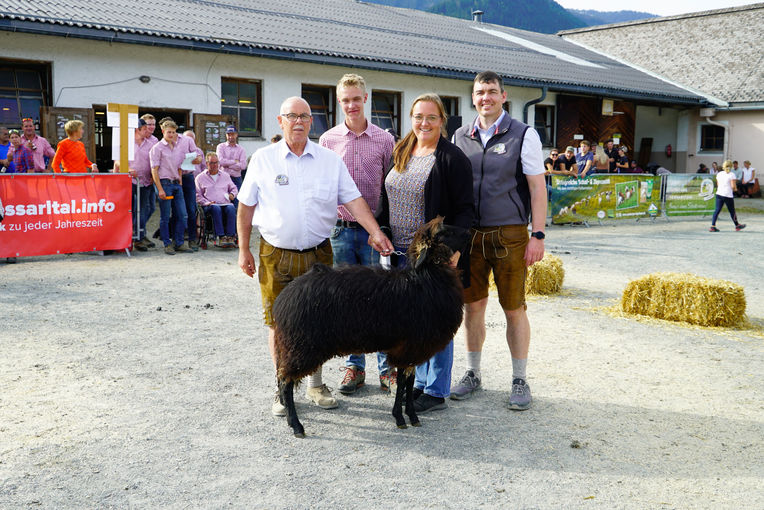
(151,125)
(714,168)
(366,151)
(39,146)
(612,157)
(622,163)
(556,165)
(276,138)
(725,189)
(5,145)
(70,153)
(585,160)
(215,192)
(165,158)
(702,169)
(601,163)
(202,165)
(232,156)
(23,158)
(635,169)
(748,180)
(568,161)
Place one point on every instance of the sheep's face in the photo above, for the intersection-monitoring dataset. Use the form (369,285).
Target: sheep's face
(435,243)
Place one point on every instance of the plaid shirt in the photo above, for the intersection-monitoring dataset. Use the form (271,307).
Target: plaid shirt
(23,160)
(367,156)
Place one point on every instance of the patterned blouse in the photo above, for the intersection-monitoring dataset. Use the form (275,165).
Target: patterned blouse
(405,192)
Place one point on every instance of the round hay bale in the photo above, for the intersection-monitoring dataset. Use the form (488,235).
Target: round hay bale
(543,277)
(686,297)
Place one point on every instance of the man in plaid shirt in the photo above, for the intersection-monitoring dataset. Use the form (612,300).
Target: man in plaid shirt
(366,150)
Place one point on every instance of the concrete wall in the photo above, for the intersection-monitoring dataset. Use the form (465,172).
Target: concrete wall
(660,124)
(745,132)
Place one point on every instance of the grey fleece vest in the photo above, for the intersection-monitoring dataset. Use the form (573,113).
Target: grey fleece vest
(502,196)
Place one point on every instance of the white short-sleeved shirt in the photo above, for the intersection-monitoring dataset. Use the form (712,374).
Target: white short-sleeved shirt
(530,155)
(748,173)
(296,196)
(724,184)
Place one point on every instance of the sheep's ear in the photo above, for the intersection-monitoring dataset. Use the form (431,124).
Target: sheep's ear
(421,258)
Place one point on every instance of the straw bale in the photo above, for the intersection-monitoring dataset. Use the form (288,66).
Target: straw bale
(543,277)
(686,297)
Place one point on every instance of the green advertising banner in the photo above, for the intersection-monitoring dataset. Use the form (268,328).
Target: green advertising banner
(689,195)
(601,197)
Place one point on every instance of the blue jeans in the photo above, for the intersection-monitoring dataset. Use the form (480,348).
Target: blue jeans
(178,207)
(237,181)
(148,205)
(350,246)
(434,375)
(189,194)
(218,212)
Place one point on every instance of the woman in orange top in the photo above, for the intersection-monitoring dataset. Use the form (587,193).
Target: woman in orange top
(71,151)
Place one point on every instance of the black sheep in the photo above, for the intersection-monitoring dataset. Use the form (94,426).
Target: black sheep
(410,314)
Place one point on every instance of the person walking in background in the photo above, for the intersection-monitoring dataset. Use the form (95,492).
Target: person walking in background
(726,187)
(508,181)
(430,177)
(70,156)
(39,146)
(366,151)
(215,192)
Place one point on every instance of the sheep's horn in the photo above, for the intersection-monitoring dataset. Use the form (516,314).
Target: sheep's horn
(421,258)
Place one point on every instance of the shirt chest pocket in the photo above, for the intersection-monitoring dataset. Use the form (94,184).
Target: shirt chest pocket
(319,190)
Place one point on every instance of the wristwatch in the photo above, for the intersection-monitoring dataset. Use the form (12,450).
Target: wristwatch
(538,235)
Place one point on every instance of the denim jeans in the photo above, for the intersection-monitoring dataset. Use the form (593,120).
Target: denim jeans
(189,194)
(178,207)
(220,213)
(434,375)
(148,205)
(350,246)
(237,181)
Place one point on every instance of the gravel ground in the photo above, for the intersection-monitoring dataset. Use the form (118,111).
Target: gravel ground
(145,382)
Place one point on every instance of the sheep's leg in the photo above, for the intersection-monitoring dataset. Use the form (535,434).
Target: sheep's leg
(287,397)
(397,406)
(413,418)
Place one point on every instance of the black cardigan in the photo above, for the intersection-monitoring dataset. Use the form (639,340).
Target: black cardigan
(447,192)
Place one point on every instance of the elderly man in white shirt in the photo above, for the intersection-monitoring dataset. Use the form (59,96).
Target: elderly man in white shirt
(291,192)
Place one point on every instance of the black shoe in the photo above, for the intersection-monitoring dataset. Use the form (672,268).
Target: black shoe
(10,260)
(149,243)
(427,402)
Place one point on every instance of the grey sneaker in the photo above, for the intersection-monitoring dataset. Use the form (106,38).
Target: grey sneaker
(278,409)
(466,386)
(520,399)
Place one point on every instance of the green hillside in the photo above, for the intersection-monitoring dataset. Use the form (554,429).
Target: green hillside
(545,16)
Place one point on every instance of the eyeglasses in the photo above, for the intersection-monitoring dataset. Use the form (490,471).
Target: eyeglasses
(213,162)
(430,118)
(292,117)
(554,154)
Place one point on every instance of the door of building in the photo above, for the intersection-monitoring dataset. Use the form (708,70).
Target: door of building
(55,118)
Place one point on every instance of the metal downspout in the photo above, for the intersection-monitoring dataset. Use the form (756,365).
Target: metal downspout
(532,102)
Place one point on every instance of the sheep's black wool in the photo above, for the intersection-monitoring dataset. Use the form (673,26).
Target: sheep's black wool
(410,314)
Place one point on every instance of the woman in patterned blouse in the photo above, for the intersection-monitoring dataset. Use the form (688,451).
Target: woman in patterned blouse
(429,177)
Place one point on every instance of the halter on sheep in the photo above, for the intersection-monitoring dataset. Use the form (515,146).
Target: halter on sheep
(410,314)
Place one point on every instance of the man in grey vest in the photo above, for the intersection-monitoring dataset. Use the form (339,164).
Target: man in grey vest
(509,189)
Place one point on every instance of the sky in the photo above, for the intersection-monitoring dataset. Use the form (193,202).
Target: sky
(659,7)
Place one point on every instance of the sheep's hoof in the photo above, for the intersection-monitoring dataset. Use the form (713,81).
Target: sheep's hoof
(300,435)
(416,424)
(404,426)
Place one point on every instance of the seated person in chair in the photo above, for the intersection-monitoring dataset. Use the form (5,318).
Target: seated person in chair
(215,192)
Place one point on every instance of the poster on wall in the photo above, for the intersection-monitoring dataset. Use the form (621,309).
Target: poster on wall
(690,195)
(602,197)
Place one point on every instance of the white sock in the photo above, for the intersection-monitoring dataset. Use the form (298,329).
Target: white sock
(518,368)
(314,379)
(473,362)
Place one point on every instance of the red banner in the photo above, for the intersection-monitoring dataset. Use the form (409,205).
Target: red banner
(45,214)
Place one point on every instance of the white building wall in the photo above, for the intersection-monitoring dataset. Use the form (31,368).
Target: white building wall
(660,124)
